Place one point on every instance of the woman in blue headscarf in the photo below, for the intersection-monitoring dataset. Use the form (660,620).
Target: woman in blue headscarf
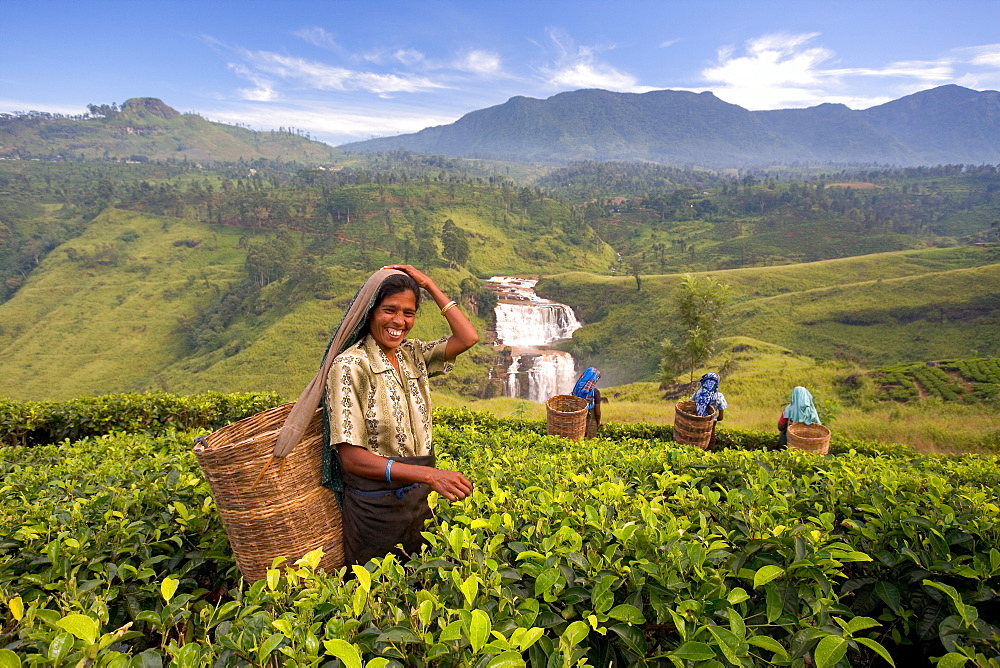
(708,397)
(799,409)
(586,388)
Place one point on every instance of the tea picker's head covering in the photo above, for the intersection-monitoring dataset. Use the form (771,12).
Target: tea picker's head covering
(800,408)
(708,394)
(351,329)
(586,384)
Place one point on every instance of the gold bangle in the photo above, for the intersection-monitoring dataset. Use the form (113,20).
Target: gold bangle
(447,307)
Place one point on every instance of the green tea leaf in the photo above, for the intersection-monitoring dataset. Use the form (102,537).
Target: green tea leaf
(268,646)
(546,580)
(627,613)
(765,574)
(60,647)
(693,651)
(451,632)
(737,595)
(470,588)
(8,659)
(344,651)
(525,638)
(82,626)
(506,660)
(479,630)
(168,588)
(16,606)
(879,649)
(575,632)
(889,593)
(860,624)
(829,651)
(770,644)
(363,577)
(952,660)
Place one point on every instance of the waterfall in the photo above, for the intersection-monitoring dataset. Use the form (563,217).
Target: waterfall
(538,376)
(527,323)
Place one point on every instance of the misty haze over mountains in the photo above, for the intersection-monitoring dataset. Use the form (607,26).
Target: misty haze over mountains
(945,125)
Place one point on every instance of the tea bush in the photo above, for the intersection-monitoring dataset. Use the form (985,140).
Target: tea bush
(623,550)
(154,413)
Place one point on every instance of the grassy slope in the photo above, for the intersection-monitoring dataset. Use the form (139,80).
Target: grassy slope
(72,330)
(908,305)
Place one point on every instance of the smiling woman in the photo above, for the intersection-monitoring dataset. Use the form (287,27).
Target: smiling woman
(378,409)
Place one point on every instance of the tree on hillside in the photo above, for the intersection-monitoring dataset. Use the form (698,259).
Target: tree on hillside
(454,243)
(700,307)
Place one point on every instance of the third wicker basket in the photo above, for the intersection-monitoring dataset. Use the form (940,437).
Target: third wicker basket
(691,428)
(566,416)
(813,438)
(287,512)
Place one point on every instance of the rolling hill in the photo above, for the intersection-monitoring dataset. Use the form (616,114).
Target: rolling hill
(872,310)
(147,129)
(948,124)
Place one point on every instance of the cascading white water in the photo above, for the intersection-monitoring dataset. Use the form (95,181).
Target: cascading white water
(534,324)
(528,323)
(538,376)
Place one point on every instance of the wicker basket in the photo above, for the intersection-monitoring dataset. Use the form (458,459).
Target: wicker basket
(288,513)
(813,438)
(566,416)
(691,428)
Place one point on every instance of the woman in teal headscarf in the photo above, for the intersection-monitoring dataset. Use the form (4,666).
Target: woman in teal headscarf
(799,409)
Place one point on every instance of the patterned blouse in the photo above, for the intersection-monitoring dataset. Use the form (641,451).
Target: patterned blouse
(370,407)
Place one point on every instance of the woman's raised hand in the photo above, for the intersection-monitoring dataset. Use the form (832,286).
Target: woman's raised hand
(422,279)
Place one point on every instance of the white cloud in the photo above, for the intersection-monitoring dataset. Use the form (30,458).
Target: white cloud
(787,70)
(317,37)
(263,90)
(320,76)
(479,62)
(579,67)
(771,61)
(331,124)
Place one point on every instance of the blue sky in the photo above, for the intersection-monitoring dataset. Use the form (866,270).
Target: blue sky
(345,71)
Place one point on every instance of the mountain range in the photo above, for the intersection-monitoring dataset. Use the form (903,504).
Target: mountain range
(945,125)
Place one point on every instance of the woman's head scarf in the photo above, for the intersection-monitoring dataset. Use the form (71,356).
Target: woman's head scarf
(800,408)
(350,330)
(585,386)
(708,394)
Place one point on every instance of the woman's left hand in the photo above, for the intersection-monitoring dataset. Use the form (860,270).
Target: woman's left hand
(422,279)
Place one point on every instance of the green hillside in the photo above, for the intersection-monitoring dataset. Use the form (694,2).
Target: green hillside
(139,301)
(876,310)
(146,129)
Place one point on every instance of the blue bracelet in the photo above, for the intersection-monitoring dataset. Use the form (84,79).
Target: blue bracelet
(388,468)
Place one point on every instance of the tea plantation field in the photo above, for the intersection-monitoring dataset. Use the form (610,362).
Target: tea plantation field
(626,550)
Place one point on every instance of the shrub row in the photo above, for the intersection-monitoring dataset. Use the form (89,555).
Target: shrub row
(982,374)
(619,552)
(740,439)
(39,422)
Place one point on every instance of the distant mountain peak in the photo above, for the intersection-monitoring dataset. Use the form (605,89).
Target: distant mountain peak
(143,107)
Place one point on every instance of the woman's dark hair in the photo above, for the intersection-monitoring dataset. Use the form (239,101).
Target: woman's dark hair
(395,284)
